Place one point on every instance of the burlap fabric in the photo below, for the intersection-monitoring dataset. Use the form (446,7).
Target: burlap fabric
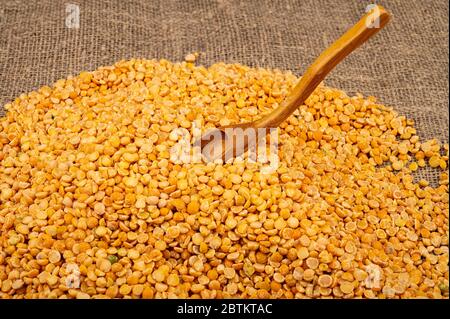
(405,65)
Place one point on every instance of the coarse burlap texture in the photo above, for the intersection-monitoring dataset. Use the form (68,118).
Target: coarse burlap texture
(404,66)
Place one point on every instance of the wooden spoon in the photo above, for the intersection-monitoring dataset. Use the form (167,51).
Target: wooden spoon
(233,140)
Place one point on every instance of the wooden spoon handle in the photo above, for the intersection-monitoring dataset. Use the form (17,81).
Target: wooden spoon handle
(369,24)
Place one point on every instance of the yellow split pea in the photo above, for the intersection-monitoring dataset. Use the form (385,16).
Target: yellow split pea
(88,188)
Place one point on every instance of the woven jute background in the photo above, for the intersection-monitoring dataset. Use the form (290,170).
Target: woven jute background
(405,65)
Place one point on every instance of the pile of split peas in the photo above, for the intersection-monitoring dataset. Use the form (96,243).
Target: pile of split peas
(91,205)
